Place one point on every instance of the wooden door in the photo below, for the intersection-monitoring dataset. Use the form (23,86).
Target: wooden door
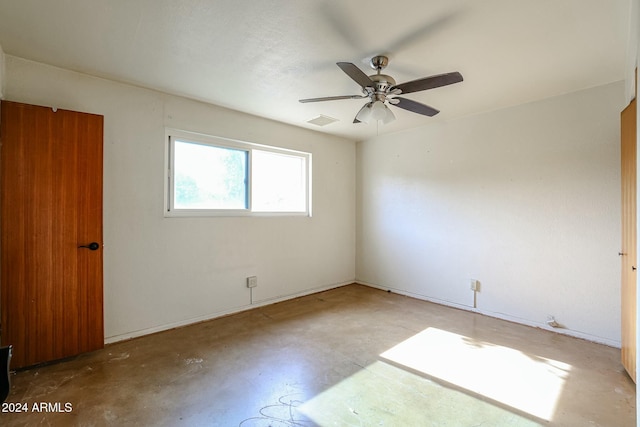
(628,157)
(50,205)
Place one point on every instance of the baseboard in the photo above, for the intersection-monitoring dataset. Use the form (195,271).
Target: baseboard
(147,331)
(501,316)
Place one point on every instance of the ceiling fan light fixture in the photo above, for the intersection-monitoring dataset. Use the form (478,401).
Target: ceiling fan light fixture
(389,116)
(378,110)
(364,115)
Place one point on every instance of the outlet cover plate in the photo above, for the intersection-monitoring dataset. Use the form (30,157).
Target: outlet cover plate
(252,282)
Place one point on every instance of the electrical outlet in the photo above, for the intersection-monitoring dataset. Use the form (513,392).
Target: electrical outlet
(551,321)
(252,282)
(474,285)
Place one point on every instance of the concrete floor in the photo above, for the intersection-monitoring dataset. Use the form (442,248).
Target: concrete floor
(352,356)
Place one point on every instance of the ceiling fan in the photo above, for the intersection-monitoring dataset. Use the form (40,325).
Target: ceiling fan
(382,89)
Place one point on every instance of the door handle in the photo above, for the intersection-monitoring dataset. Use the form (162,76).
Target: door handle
(93,246)
(633,267)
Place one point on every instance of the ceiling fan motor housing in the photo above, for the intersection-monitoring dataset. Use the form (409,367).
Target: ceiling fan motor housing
(382,82)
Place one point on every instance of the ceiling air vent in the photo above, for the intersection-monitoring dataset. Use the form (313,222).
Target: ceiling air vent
(322,120)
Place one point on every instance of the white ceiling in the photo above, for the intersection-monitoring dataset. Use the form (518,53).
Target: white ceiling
(261,56)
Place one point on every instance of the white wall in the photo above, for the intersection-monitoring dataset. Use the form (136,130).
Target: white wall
(162,272)
(526,200)
(3,72)
(631,57)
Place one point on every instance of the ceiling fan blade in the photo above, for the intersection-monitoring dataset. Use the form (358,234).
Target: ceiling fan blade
(331,98)
(337,15)
(356,74)
(421,33)
(429,82)
(416,107)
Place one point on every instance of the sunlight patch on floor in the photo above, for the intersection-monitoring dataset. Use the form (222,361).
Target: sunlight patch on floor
(527,383)
(387,395)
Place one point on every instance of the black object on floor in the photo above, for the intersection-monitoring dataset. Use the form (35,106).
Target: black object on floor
(5,382)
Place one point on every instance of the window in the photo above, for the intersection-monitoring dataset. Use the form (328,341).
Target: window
(209,176)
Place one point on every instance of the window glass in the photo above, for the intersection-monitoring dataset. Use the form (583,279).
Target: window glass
(209,177)
(279,182)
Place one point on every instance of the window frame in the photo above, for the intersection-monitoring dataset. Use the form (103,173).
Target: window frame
(216,141)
